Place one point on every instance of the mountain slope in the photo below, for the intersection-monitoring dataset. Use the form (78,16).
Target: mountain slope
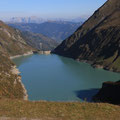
(10,82)
(57,30)
(39,41)
(11,41)
(98,39)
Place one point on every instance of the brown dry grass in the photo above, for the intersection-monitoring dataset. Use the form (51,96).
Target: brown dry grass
(7,79)
(58,110)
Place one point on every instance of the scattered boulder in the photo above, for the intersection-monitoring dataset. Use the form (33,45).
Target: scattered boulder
(110,92)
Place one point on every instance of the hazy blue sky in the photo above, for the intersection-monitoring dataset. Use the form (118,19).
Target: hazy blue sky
(48,8)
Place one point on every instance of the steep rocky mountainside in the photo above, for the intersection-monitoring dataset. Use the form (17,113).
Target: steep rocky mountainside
(57,30)
(98,39)
(39,41)
(11,41)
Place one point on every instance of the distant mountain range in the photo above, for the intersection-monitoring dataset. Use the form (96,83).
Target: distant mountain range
(57,30)
(32,19)
(35,19)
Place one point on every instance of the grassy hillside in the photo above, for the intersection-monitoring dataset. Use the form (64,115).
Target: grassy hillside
(11,41)
(10,85)
(58,111)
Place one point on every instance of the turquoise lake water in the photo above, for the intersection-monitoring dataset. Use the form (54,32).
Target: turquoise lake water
(56,78)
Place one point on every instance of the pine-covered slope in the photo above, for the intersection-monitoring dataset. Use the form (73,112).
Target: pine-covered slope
(98,39)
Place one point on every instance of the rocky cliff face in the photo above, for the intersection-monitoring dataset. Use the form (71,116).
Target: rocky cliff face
(98,39)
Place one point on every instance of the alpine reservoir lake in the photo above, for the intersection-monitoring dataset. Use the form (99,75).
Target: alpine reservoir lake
(55,78)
